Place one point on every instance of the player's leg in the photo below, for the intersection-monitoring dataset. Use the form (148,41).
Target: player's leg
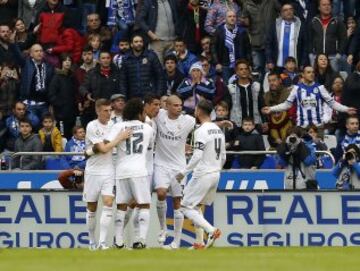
(199,232)
(92,188)
(123,197)
(141,193)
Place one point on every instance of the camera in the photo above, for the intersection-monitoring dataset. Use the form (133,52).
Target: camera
(349,155)
(292,142)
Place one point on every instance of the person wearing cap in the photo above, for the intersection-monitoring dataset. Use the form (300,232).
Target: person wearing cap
(117,104)
(195,88)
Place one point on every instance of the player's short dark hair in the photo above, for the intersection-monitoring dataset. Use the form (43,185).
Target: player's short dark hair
(205,106)
(149,98)
(25,120)
(48,116)
(248,119)
(133,108)
(102,102)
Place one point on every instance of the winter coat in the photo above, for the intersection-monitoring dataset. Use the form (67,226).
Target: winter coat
(242,46)
(56,139)
(330,41)
(173,83)
(70,41)
(347,177)
(8,11)
(184,64)
(99,85)
(29,144)
(28,13)
(62,94)
(13,125)
(351,92)
(141,74)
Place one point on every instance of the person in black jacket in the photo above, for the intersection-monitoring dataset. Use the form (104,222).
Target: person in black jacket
(231,43)
(250,140)
(102,81)
(173,76)
(351,92)
(141,71)
(62,93)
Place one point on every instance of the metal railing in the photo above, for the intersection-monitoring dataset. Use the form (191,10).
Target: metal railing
(12,155)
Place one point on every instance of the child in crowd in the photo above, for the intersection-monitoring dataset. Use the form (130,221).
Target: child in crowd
(314,138)
(94,41)
(229,128)
(50,135)
(76,144)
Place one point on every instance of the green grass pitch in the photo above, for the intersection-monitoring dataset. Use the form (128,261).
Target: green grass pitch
(266,258)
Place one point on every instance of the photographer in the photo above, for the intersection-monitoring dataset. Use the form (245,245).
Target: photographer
(299,161)
(347,170)
(72,179)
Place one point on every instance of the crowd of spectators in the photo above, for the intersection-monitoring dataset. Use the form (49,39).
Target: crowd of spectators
(57,57)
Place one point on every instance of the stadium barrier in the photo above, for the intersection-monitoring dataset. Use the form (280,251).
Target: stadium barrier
(48,219)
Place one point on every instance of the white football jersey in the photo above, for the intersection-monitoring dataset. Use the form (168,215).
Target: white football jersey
(131,153)
(171,139)
(211,140)
(150,153)
(98,164)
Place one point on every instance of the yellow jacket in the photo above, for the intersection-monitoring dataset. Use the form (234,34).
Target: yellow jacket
(56,139)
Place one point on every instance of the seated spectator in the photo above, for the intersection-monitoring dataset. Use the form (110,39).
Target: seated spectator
(347,170)
(249,140)
(27,142)
(35,79)
(197,87)
(231,43)
(313,137)
(94,27)
(50,135)
(75,144)
(352,136)
(207,50)
(124,47)
(173,76)
(94,41)
(19,112)
(62,95)
(279,122)
(229,128)
(324,74)
(185,58)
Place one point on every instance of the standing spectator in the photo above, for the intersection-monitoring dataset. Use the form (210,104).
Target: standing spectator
(207,50)
(304,9)
(6,55)
(279,123)
(353,34)
(195,88)
(87,7)
(192,22)
(259,16)
(9,89)
(250,140)
(231,43)
(117,105)
(8,10)
(24,38)
(94,41)
(245,97)
(173,76)
(36,75)
(290,74)
(124,47)
(327,35)
(102,81)
(351,93)
(62,95)
(159,21)
(76,144)
(141,71)
(19,112)
(27,142)
(352,136)
(50,135)
(28,9)
(184,56)
(217,14)
(286,39)
(94,27)
(324,73)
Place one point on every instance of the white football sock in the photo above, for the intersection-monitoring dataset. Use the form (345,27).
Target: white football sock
(128,215)
(161,207)
(144,219)
(199,232)
(178,224)
(91,225)
(119,227)
(135,220)
(105,221)
(198,219)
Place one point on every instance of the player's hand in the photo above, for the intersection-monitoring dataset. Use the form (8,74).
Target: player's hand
(179,177)
(126,134)
(266,110)
(351,111)
(188,149)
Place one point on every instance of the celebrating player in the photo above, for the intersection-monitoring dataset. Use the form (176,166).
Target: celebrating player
(206,163)
(131,174)
(99,173)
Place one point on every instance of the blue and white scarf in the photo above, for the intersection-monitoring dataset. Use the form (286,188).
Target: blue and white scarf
(79,146)
(229,43)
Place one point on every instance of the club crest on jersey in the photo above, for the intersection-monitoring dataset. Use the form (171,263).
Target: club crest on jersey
(144,61)
(98,133)
(316,91)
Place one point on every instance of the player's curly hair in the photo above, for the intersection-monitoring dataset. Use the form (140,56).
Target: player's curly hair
(133,108)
